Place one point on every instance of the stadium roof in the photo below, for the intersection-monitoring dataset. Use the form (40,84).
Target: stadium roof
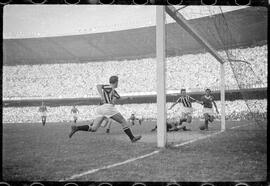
(247,26)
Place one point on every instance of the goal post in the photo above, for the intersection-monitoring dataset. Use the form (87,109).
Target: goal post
(185,25)
(161,77)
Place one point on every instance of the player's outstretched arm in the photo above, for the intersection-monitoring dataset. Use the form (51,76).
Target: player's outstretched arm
(215,106)
(172,105)
(99,89)
(197,101)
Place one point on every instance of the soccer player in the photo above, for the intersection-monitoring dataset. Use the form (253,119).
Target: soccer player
(207,101)
(171,126)
(186,115)
(133,118)
(75,112)
(43,113)
(107,110)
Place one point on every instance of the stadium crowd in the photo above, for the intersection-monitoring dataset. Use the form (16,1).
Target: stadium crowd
(235,110)
(192,71)
(195,72)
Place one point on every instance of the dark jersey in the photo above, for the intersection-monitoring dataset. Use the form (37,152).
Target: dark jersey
(207,101)
(74,110)
(186,100)
(109,94)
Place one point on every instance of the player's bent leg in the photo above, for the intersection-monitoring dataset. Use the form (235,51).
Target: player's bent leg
(182,119)
(120,119)
(92,127)
(189,119)
(211,118)
(108,126)
(96,124)
(207,116)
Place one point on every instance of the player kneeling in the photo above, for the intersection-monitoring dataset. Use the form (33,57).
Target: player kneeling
(187,110)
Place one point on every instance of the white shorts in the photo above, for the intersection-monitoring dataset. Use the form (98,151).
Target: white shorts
(43,114)
(107,110)
(187,111)
(75,115)
(208,111)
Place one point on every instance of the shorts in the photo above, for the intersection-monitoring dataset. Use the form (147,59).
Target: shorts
(75,115)
(208,111)
(186,111)
(107,110)
(43,114)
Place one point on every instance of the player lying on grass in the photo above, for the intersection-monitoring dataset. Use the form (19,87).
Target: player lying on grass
(187,110)
(43,113)
(107,110)
(207,101)
(133,118)
(171,126)
(75,112)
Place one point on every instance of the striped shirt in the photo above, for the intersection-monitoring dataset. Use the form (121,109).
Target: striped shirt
(109,93)
(186,100)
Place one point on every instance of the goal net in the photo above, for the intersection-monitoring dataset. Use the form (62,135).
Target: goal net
(191,66)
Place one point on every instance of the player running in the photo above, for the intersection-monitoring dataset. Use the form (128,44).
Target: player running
(133,118)
(43,113)
(107,110)
(75,112)
(207,101)
(186,114)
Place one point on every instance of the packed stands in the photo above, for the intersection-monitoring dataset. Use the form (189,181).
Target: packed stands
(80,79)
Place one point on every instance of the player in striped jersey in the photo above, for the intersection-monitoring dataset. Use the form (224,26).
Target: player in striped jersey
(186,115)
(207,101)
(107,110)
(43,113)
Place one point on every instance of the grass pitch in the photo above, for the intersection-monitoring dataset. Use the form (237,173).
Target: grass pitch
(32,152)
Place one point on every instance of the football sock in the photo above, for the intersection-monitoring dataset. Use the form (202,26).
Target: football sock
(206,124)
(128,132)
(83,128)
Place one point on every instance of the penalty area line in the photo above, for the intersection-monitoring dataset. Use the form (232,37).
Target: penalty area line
(144,156)
(109,166)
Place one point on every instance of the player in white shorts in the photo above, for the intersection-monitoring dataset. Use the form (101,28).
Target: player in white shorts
(207,101)
(107,110)
(75,112)
(43,113)
(187,110)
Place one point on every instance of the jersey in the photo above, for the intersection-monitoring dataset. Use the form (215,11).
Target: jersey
(207,101)
(185,100)
(74,110)
(42,109)
(109,94)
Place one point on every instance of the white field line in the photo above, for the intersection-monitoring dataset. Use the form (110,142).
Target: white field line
(235,127)
(110,166)
(143,156)
(196,139)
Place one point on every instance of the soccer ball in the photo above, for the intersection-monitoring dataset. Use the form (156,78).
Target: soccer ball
(202,127)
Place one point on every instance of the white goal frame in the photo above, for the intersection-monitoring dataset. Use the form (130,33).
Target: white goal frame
(161,66)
